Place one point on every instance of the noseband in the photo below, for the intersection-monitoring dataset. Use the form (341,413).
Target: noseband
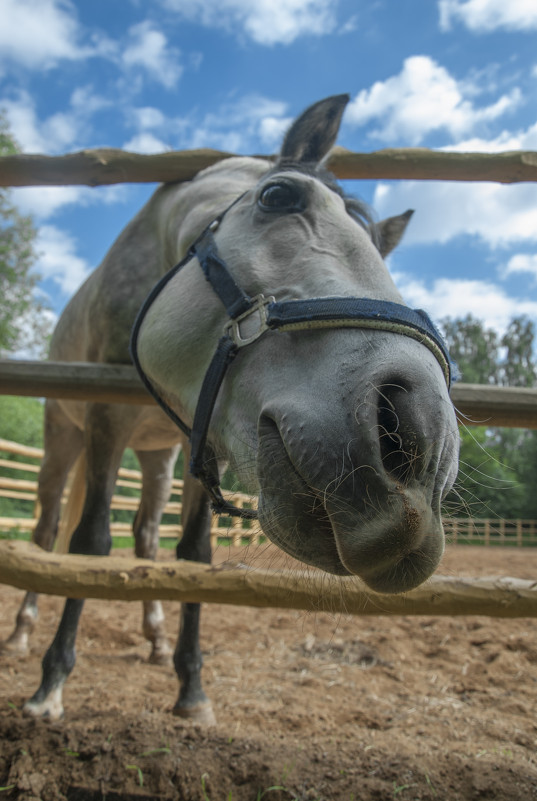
(249,319)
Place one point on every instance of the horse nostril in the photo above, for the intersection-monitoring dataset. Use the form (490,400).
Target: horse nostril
(399,441)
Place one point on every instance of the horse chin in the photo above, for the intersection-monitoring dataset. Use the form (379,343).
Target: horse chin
(393,549)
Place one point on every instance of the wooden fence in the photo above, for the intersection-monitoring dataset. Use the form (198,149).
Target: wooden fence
(490,531)
(33,569)
(459,530)
(126,498)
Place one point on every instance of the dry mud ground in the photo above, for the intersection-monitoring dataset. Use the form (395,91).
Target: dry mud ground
(309,706)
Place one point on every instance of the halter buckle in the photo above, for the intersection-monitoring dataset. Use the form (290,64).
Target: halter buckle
(241,329)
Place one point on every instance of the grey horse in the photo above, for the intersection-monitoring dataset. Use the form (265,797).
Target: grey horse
(347,431)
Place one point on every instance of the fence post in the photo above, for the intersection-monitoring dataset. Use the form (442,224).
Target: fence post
(487,532)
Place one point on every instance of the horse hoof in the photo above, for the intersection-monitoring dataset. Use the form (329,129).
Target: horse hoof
(51,708)
(161,655)
(201,714)
(15,645)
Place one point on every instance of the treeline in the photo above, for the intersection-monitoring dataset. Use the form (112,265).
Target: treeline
(498,466)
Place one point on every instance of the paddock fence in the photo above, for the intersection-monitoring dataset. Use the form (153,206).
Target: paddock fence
(224,530)
(25,566)
(126,498)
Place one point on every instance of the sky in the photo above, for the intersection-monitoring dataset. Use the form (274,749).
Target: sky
(232,74)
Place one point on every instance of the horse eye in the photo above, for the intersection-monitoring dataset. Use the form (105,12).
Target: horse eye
(278,197)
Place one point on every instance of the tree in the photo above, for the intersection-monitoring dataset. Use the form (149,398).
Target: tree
(498,469)
(22,321)
(488,484)
(474,349)
(484,358)
(518,368)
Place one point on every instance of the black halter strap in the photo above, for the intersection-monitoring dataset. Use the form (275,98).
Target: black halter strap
(250,318)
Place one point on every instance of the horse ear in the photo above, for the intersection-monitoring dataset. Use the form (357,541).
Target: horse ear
(312,135)
(390,231)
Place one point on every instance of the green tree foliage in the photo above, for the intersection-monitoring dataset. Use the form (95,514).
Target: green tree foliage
(487,485)
(21,316)
(485,358)
(498,466)
(21,420)
(518,367)
(474,348)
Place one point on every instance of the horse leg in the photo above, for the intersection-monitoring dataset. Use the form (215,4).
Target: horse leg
(157,471)
(195,545)
(107,430)
(63,443)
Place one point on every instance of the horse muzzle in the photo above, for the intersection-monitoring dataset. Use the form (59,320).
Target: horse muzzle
(365,502)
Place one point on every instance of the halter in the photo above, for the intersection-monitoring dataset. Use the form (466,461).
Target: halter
(249,319)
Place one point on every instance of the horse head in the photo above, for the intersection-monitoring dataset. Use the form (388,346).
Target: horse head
(344,426)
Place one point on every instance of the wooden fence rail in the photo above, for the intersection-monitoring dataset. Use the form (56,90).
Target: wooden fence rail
(477,404)
(27,567)
(236,532)
(112,166)
(490,531)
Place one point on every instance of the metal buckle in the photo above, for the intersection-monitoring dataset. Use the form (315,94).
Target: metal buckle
(240,331)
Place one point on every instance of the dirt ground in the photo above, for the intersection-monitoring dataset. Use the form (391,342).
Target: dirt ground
(309,706)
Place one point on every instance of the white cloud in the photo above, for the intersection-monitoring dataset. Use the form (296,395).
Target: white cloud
(457,298)
(272,129)
(23,122)
(421,99)
(148,117)
(58,132)
(238,124)
(146,142)
(84,101)
(248,124)
(267,22)
(521,263)
(489,15)
(39,33)
(44,201)
(58,259)
(496,214)
(148,49)
(507,140)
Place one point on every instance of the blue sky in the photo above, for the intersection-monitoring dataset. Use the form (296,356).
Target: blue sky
(231,74)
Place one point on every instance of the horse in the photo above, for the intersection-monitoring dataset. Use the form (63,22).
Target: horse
(279,344)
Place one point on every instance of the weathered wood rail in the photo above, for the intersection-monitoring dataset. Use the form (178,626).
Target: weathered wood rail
(27,567)
(477,404)
(110,166)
